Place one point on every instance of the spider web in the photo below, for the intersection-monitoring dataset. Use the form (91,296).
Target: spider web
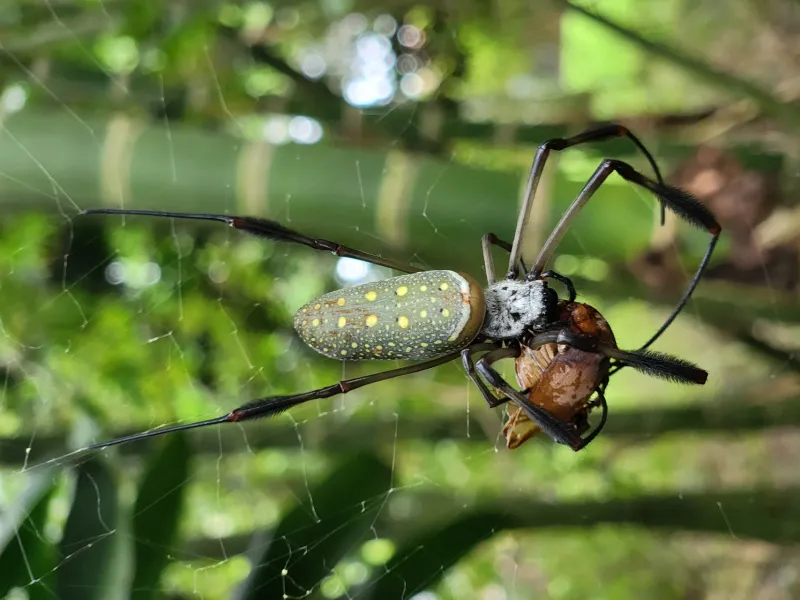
(402,489)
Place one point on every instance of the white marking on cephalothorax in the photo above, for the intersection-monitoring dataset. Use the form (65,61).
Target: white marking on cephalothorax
(513,306)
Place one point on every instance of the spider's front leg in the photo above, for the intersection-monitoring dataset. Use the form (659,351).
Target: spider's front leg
(558,430)
(487,241)
(469,366)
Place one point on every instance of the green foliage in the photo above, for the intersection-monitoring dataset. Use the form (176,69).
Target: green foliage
(338,514)
(156,514)
(26,555)
(87,547)
(109,326)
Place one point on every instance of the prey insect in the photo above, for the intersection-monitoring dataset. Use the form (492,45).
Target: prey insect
(561,378)
(564,350)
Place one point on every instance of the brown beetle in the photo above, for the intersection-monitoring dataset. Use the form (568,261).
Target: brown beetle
(560,378)
(558,370)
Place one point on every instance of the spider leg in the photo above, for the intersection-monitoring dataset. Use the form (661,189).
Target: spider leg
(603,418)
(565,280)
(537,168)
(274,405)
(681,203)
(556,429)
(469,366)
(488,263)
(266,229)
(649,362)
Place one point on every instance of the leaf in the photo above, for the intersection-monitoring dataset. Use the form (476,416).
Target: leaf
(706,73)
(422,561)
(316,534)
(25,553)
(157,513)
(87,546)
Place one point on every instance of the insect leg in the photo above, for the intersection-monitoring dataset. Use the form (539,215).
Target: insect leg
(268,229)
(558,430)
(537,168)
(274,405)
(680,202)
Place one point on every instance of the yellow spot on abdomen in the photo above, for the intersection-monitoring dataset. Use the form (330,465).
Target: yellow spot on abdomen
(444,286)
(372,320)
(342,321)
(354,345)
(445,312)
(318,306)
(403,322)
(423,288)
(423,313)
(340,301)
(401,291)
(343,352)
(315,322)
(371,296)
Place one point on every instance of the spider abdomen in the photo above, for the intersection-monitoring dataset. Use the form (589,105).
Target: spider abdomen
(417,316)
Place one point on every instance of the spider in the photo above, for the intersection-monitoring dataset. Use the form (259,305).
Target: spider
(438,316)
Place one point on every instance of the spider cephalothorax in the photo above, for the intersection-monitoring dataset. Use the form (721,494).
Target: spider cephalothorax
(439,316)
(512,307)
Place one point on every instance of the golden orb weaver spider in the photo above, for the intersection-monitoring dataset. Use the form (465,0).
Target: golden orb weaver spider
(440,316)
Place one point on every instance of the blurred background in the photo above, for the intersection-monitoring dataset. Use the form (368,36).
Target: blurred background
(406,129)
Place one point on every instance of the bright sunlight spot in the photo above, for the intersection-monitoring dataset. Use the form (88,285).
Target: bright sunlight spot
(351,270)
(378,551)
(13,98)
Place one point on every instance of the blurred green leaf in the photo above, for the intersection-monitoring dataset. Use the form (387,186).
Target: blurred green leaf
(320,531)
(770,104)
(157,513)
(418,565)
(27,555)
(87,547)
(425,558)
